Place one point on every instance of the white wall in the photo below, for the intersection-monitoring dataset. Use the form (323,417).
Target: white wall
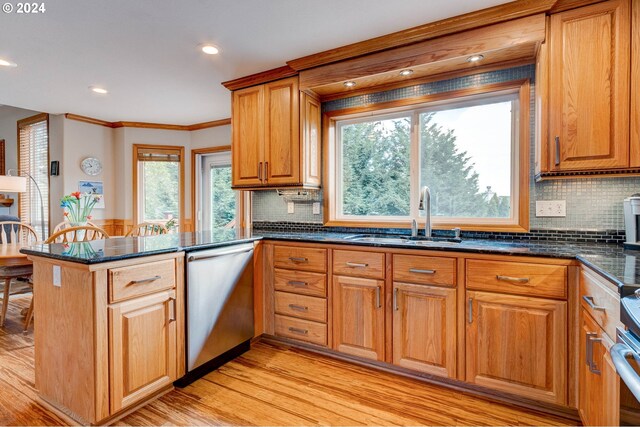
(9,117)
(211,137)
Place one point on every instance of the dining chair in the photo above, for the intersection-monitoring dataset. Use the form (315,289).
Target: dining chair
(14,233)
(81,233)
(66,224)
(147,229)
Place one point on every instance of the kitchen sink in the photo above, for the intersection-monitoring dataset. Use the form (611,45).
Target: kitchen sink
(409,241)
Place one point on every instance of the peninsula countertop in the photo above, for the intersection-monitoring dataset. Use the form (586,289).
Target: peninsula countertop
(610,260)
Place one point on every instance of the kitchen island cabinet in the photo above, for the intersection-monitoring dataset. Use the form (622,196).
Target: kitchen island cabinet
(96,357)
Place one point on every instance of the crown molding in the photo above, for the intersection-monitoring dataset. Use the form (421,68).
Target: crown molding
(146,125)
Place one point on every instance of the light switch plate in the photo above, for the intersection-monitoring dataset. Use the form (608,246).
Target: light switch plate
(316,208)
(551,208)
(57,276)
(291,207)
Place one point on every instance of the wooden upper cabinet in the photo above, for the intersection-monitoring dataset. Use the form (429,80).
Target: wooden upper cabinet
(247,131)
(282,136)
(589,88)
(276,137)
(635,84)
(424,328)
(358,317)
(518,345)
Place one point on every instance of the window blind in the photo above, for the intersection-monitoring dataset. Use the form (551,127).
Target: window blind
(158,155)
(33,158)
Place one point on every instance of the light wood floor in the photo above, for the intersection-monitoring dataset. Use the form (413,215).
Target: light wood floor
(269,385)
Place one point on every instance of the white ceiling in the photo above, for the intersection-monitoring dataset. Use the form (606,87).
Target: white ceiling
(145,52)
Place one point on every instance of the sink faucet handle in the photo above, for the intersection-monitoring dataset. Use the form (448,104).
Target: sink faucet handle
(457,232)
(414,228)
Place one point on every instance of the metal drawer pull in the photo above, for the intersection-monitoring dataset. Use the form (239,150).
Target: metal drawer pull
(266,171)
(260,171)
(470,310)
(297,283)
(172,312)
(395,299)
(356,264)
(298,259)
(298,331)
(589,301)
(298,307)
(378,302)
(557,150)
(619,354)
(591,338)
(513,279)
(147,280)
(421,271)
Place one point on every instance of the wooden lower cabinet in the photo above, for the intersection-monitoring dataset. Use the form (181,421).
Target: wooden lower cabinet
(358,317)
(518,345)
(424,328)
(599,384)
(142,350)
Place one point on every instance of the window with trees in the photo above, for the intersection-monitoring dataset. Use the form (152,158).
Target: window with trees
(158,180)
(469,150)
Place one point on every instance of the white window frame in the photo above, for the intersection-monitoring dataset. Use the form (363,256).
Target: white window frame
(517,92)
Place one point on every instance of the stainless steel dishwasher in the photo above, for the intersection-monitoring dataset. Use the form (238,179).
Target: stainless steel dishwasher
(219,308)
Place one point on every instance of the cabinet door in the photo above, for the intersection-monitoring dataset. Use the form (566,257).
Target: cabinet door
(518,345)
(142,347)
(589,87)
(282,135)
(598,380)
(247,142)
(424,328)
(358,317)
(310,125)
(635,84)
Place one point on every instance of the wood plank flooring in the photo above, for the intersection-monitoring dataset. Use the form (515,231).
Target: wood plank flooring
(270,385)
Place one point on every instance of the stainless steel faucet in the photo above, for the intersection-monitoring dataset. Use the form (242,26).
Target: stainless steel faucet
(425,205)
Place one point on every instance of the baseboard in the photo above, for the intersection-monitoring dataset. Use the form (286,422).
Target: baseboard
(453,384)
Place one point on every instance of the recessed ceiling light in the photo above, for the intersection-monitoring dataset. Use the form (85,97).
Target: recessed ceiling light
(406,72)
(6,63)
(349,83)
(475,58)
(210,49)
(99,90)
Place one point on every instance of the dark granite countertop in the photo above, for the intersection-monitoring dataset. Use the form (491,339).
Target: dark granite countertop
(610,260)
(119,248)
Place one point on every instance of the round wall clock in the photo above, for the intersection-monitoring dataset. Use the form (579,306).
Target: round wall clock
(91,166)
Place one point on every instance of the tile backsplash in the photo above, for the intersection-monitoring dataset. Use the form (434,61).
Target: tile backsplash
(592,203)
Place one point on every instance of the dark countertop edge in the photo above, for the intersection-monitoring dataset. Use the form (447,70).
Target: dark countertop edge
(93,261)
(101,260)
(602,272)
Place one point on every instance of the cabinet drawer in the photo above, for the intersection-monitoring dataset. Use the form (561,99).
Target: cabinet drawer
(517,278)
(360,264)
(424,270)
(302,330)
(302,306)
(300,282)
(309,259)
(136,280)
(601,302)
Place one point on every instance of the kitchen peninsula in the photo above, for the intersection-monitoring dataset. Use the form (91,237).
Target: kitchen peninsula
(115,331)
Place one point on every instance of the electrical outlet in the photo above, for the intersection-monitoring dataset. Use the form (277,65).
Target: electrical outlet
(551,208)
(316,208)
(291,207)
(57,276)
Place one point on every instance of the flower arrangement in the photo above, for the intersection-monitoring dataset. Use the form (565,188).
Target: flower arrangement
(77,206)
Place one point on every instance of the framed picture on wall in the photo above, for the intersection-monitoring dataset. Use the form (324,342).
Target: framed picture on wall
(93,187)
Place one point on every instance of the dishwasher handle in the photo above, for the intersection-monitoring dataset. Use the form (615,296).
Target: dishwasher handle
(619,354)
(192,258)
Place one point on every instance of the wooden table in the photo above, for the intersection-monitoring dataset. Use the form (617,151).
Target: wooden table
(10,256)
